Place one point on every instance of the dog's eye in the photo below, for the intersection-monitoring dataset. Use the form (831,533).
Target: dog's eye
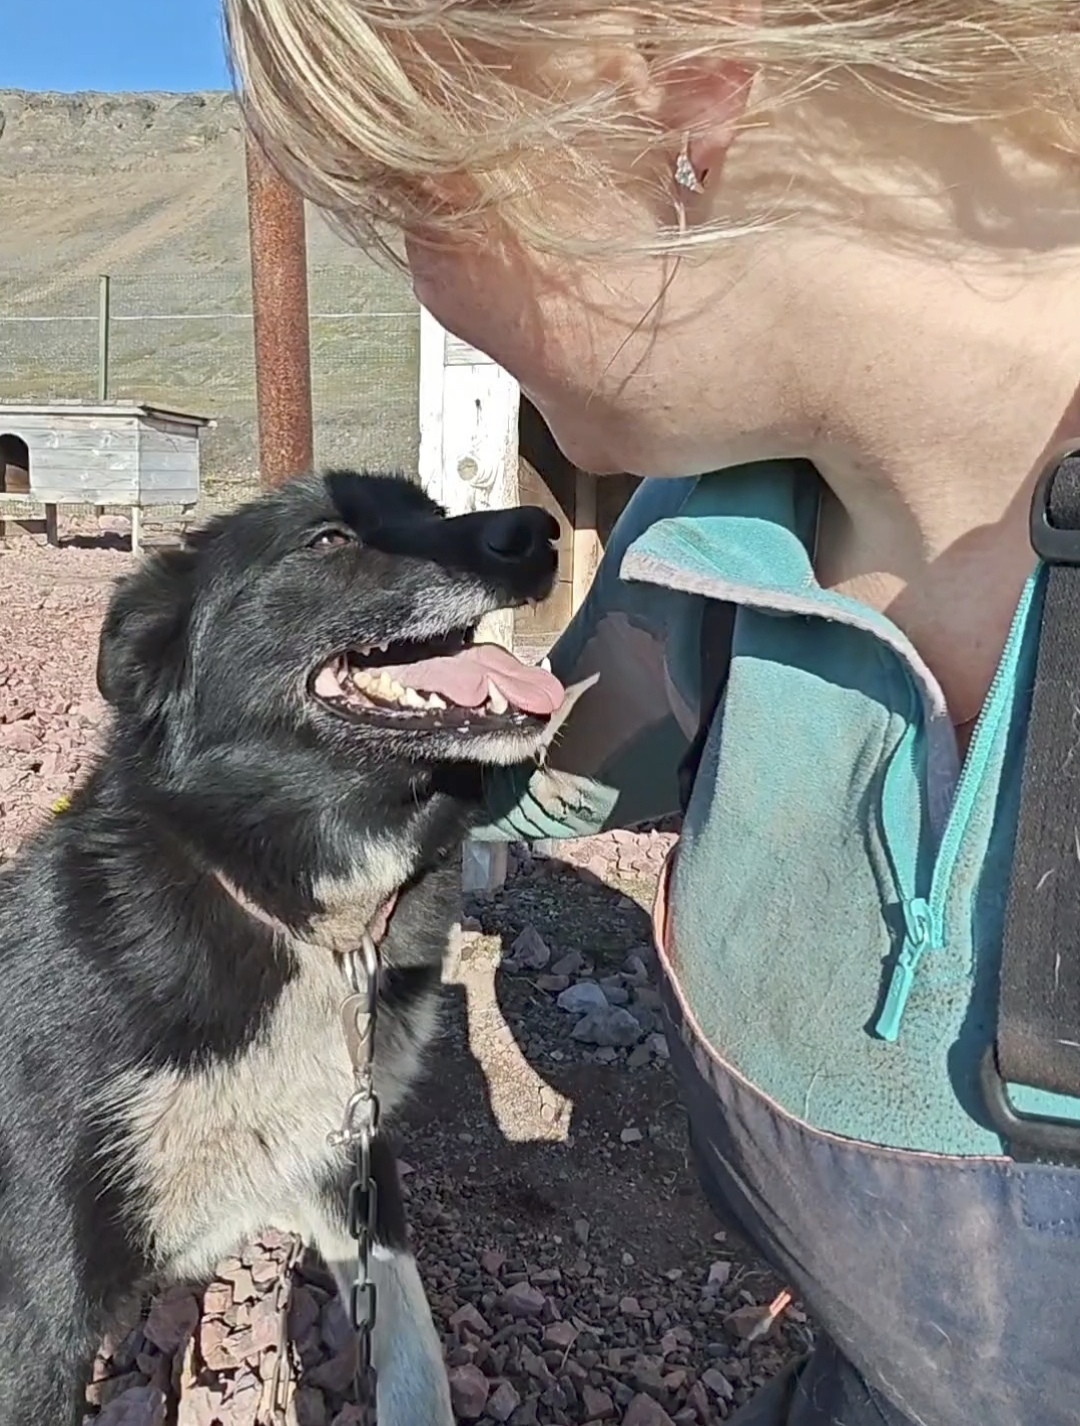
(331,538)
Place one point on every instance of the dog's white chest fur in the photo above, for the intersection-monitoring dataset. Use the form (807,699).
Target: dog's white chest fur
(234,1145)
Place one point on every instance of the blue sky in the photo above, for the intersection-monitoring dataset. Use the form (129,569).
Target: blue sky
(111,44)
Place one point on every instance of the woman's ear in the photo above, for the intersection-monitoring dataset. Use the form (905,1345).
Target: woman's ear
(703,102)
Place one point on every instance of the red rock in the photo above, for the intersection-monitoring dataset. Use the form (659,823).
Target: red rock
(697,1397)
(598,1404)
(644,1411)
(560,1335)
(492,1261)
(503,1402)
(172,1320)
(18,737)
(468,1392)
(141,1406)
(217,1299)
(335,1375)
(213,1337)
(468,1317)
(523,1300)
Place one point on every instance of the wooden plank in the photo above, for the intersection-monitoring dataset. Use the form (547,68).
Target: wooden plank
(119,428)
(459,353)
(52,533)
(170,462)
(587,548)
(432,385)
(469,461)
(67,466)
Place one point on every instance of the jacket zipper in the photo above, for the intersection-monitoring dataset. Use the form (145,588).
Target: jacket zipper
(924,915)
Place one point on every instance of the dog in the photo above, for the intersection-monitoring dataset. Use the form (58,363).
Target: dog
(302,730)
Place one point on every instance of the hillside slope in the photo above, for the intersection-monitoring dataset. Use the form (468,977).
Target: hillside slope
(94,183)
(151,190)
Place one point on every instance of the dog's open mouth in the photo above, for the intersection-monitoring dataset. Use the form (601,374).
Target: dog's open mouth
(450,682)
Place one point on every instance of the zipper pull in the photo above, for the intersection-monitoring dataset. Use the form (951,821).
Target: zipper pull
(919,924)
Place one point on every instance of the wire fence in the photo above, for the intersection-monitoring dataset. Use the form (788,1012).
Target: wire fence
(185,341)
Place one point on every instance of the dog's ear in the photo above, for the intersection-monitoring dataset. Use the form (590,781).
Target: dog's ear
(143,645)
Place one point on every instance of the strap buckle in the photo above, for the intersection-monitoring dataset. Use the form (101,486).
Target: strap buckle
(1054,544)
(1031,1138)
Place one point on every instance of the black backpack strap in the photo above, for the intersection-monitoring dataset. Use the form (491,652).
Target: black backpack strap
(717,628)
(1038,1032)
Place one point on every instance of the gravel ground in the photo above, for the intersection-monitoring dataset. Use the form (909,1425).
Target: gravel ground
(574,1270)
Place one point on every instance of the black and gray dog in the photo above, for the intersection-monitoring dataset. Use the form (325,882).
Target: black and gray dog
(301,726)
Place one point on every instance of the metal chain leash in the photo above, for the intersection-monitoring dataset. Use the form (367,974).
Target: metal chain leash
(358,1129)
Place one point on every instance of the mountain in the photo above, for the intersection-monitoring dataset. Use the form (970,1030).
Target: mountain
(150,189)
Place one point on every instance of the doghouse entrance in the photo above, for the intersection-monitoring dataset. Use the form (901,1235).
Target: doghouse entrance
(14,465)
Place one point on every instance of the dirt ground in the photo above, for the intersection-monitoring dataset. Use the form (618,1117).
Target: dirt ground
(575,1271)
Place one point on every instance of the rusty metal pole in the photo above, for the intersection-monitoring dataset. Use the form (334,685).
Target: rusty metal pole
(280,305)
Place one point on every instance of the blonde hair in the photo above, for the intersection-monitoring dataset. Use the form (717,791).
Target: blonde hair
(380,109)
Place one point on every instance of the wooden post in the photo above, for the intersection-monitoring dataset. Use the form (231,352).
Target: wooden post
(469,461)
(103,334)
(280,306)
(587,549)
(104,319)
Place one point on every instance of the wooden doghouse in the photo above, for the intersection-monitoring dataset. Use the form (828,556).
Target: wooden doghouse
(115,453)
(483,447)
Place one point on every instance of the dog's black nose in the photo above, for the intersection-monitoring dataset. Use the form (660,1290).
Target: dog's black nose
(519,534)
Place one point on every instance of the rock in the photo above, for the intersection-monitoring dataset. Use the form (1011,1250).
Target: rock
(582,1229)
(718,1274)
(19,737)
(608,1028)
(698,1399)
(310,1407)
(630,1136)
(141,1406)
(492,1261)
(645,1411)
(468,1317)
(523,1300)
(614,990)
(718,1384)
(552,984)
(598,1404)
(468,1392)
(503,1402)
(336,1375)
(570,964)
(746,1322)
(579,999)
(171,1320)
(560,1335)
(530,951)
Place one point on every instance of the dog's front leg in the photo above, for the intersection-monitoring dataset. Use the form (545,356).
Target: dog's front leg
(412,1387)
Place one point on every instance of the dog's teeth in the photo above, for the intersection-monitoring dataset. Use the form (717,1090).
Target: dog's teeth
(384,646)
(545,664)
(364,650)
(434,701)
(496,698)
(412,699)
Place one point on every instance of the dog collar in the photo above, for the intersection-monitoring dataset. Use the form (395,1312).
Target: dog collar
(376,928)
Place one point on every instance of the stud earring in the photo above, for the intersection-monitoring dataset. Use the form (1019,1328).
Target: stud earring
(686,175)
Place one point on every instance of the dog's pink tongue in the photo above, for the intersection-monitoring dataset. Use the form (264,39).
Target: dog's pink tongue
(463,679)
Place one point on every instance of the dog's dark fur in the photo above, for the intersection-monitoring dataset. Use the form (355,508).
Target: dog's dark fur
(170,1065)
